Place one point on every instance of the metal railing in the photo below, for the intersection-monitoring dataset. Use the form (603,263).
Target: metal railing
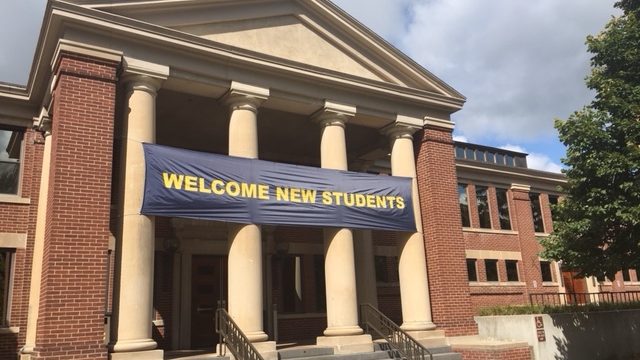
(398,339)
(583,298)
(234,339)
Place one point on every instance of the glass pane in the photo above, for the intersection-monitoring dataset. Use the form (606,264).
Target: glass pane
(10,150)
(491,267)
(4,285)
(459,152)
(471,270)
(491,157)
(512,270)
(9,176)
(545,268)
(538,224)
(553,201)
(509,160)
(469,154)
(503,209)
(483,207)
(479,155)
(464,205)
(499,159)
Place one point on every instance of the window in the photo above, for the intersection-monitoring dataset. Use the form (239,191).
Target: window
(472,272)
(491,269)
(491,157)
(10,152)
(480,155)
(626,275)
(5,285)
(459,152)
(503,209)
(499,159)
(545,269)
(538,224)
(553,201)
(483,207)
(509,160)
(463,200)
(469,154)
(512,270)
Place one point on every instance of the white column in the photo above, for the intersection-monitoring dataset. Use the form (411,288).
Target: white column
(412,268)
(245,242)
(340,276)
(134,296)
(38,246)
(365,268)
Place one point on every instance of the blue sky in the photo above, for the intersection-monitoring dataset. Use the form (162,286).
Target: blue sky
(519,63)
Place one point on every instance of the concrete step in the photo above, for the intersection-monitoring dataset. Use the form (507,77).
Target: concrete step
(376,355)
(439,352)
(304,352)
(447,356)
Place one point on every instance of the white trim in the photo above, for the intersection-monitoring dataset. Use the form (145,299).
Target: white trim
(489,231)
(14,199)
(495,283)
(9,330)
(493,255)
(13,240)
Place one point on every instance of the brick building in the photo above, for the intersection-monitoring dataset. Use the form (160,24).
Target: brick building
(85,275)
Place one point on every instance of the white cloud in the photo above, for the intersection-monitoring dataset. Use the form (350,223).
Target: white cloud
(535,160)
(460,138)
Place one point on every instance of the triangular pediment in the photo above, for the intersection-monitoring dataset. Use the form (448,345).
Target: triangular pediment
(305,33)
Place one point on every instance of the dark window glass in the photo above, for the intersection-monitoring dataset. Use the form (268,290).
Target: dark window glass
(386,269)
(5,276)
(626,275)
(538,224)
(321,297)
(500,159)
(545,269)
(463,200)
(469,154)
(503,209)
(483,207)
(491,269)
(521,161)
(472,272)
(491,157)
(459,152)
(509,160)
(512,270)
(479,155)
(553,201)
(10,151)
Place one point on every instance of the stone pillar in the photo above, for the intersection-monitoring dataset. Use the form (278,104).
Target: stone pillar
(245,241)
(365,268)
(412,267)
(134,296)
(340,274)
(38,246)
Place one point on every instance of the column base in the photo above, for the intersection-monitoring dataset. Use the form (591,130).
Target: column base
(429,338)
(257,337)
(417,326)
(343,331)
(138,355)
(347,344)
(266,348)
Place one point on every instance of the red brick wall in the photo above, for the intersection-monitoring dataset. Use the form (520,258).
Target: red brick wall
(21,218)
(72,303)
(448,283)
(523,353)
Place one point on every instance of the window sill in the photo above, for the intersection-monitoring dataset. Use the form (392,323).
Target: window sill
(14,199)
(496,283)
(301,315)
(489,231)
(550,284)
(539,234)
(9,330)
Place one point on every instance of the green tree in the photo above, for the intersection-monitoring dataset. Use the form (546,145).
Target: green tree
(597,226)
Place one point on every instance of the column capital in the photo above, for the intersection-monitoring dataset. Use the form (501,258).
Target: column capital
(520,188)
(334,114)
(403,127)
(143,75)
(245,97)
(42,122)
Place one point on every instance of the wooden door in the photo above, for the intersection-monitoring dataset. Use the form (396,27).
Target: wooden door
(208,287)
(576,287)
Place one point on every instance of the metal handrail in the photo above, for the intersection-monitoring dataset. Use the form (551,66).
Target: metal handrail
(236,341)
(397,338)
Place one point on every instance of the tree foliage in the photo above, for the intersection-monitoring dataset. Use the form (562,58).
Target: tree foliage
(597,225)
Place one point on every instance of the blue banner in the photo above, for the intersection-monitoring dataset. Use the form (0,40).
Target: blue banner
(197,185)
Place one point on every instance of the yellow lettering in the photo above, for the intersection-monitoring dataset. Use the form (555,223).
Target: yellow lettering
(381,202)
(172,180)
(249,190)
(371,201)
(326,198)
(400,202)
(361,201)
(309,196)
(233,188)
(392,200)
(190,183)
(349,199)
(295,195)
(282,194)
(202,188)
(336,196)
(263,192)
(217,187)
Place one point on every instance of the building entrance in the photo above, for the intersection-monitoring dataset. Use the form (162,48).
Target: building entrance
(208,288)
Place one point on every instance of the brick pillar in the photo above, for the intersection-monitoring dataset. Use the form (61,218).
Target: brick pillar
(72,303)
(437,185)
(529,246)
